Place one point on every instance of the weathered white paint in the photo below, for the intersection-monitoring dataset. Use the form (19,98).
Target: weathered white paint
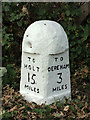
(3,70)
(45,72)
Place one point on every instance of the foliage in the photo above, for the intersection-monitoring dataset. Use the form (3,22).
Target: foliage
(14,107)
(18,16)
(10,77)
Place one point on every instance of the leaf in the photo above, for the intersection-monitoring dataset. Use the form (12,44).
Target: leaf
(80,105)
(84,97)
(86,104)
(63,15)
(22,108)
(85,70)
(66,108)
(12,109)
(32,106)
(2,112)
(7,8)
(25,10)
(19,23)
(67,12)
(88,20)
(58,115)
(72,107)
(80,116)
(79,97)
(7,115)
(77,101)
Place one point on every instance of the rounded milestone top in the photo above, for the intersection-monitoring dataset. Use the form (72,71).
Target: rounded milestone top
(45,36)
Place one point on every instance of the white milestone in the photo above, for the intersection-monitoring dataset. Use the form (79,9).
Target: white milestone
(45,69)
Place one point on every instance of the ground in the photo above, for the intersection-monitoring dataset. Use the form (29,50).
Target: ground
(15,108)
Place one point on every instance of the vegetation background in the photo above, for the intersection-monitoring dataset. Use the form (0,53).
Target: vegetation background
(16,17)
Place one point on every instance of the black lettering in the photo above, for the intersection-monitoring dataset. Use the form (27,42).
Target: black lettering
(61,58)
(26,86)
(37,90)
(57,67)
(54,89)
(66,86)
(37,69)
(28,77)
(33,60)
(60,77)
(59,87)
(33,68)
(33,82)
(52,68)
(67,65)
(32,78)
(29,67)
(64,67)
(34,89)
(62,87)
(48,69)
(61,66)
(29,58)
(31,89)
(25,66)
(56,59)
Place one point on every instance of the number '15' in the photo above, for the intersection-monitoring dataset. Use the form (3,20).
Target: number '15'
(31,78)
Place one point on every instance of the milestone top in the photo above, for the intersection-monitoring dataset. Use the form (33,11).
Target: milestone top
(45,36)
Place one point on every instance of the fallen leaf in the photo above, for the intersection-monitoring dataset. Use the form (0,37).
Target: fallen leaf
(84,97)
(85,70)
(66,108)
(22,108)
(76,73)
(12,109)
(86,104)
(82,116)
(58,115)
(61,113)
(53,106)
(32,106)
(79,97)
(28,112)
(63,15)
(24,10)
(74,80)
